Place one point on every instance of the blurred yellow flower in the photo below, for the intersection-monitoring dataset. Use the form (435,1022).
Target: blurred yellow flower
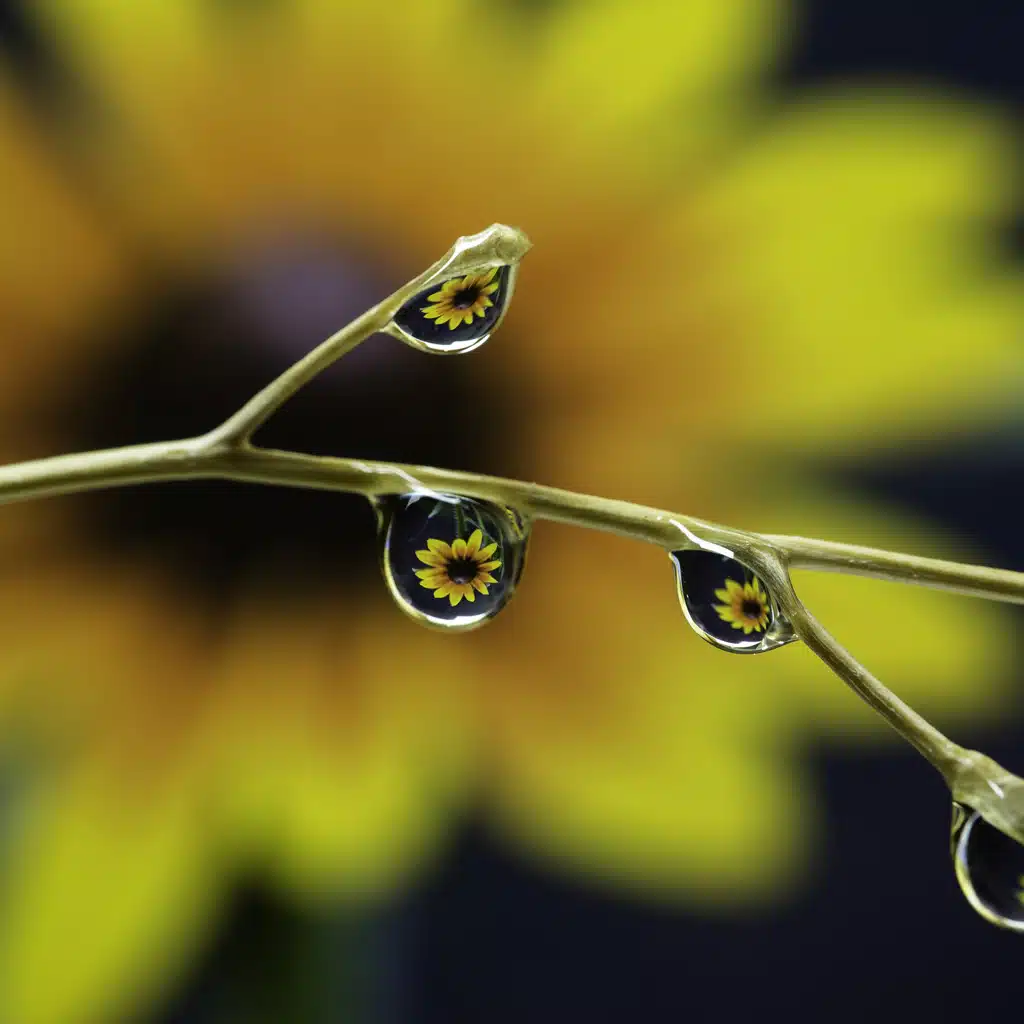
(828,267)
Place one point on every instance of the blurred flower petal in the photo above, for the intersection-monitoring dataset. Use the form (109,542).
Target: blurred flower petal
(340,753)
(610,71)
(105,895)
(859,217)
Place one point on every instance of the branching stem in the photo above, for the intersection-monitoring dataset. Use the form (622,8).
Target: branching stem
(227,453)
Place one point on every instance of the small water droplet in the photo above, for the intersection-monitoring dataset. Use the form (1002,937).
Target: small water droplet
(449,561)
(457,315)
(727,604)
(989,867)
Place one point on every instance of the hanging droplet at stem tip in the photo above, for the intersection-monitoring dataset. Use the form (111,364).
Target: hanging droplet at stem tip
(465,299)
(989,868)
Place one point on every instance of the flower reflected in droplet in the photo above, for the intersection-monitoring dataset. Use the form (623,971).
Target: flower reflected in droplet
(746,606)
(462,298)
(460,569)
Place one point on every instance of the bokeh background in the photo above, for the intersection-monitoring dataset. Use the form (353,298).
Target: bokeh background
(776,283)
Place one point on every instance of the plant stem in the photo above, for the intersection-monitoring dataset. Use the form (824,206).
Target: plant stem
(208,457)
(227,453)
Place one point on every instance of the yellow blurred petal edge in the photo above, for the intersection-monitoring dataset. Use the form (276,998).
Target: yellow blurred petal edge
(863,251)
(102,905)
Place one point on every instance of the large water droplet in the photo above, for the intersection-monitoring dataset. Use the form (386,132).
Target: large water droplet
(451,562)
(727,604)
(989,867)
(457,315)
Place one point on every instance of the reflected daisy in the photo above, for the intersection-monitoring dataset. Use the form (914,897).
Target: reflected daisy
(458,570)
(746,606)
(461,299)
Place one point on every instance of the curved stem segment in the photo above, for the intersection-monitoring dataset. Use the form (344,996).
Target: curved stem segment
(244,423)
(211,456)
(920,733)
(239,427)
(497,245)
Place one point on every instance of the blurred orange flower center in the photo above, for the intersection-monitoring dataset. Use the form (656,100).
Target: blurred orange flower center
(233,326)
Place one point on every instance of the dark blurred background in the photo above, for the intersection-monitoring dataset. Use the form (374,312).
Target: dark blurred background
(485,934)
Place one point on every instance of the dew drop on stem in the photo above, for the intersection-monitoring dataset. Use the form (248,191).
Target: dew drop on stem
(726,603)
(989,866)
(457,315)
(450,562)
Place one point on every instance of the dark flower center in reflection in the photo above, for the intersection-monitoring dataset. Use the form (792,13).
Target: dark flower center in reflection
(752,609)
(465,297)
(194,351)
(462,570)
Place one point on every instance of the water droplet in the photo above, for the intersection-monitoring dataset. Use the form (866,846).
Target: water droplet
(456,315)
(989,867)
(451,562)
(727,604)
